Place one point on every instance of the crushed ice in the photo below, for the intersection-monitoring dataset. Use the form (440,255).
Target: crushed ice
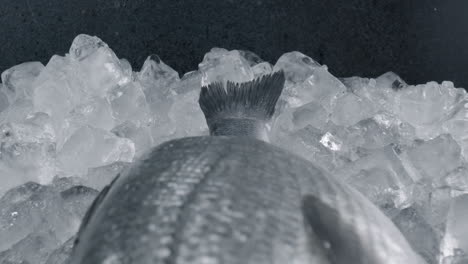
(67,128)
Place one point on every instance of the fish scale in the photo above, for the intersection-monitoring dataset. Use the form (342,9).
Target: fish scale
(192,241)
(238,189)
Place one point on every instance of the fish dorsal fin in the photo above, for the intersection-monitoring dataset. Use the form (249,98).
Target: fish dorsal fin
(361,235)
(241,109)
(339,240)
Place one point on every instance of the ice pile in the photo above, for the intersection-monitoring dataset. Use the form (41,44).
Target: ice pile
(67,128)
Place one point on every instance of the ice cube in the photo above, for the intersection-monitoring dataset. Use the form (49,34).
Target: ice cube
(454,246)
(456,123)
(99,177)
(27,152)
(324,149)
(156,79)
(32,208)
(261,69)
(58,83)
(64,183)
(310,114)
(380,130)
(422,237)
(355,84)
(139,134)
(160,83)
(350,109)
(77,199)
(381,97)
(390,80)
(320,86)
(93,147)
(425,105)
(190,81)
(95,112)
(127,69)
(17,81)
(129,103)
(383,188)
(102,71)
(19,216)
(17,111)
(252,58)
(220,65)
(84,45)
(297,67)
(34,248)
(36,219)
(187,115)
(293,119)
(3,99)
(437,209)
(381,177)
(62,253)
(456,180)
(435,158)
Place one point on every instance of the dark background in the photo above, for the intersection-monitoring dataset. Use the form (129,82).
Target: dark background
(421,40)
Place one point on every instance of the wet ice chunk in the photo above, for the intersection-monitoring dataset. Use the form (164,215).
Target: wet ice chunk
(96,112)
(323,148)
(350,109)
(456,124)
(220,65)
(34,248)
(252,58)
(382,178)
(320,86)
(422,237)
(422,105)
(331,142)
(77,199)
(93,147)
(139,134)
(99,177)
(380,130)
(129,103)
(297,67)
(102,70)
(455,243)
(27,151)
(456,181)
(435,158)
(186,114)
(84,45)
(36,219)
(17,81)
(310,114)
(261,69)
(62,253)
(390,80)
(156,78)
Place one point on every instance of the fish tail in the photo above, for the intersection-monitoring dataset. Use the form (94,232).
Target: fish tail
(241,108)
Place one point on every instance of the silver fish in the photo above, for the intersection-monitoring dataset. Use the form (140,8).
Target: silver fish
(233,198)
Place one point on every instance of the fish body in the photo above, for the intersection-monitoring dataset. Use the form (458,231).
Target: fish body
(234,199)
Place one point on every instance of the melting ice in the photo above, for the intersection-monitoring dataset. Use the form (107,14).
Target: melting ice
(68,127)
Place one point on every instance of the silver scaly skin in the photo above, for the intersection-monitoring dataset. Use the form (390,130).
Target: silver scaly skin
(231,200)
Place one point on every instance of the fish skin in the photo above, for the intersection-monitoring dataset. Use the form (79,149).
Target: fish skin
(234,200)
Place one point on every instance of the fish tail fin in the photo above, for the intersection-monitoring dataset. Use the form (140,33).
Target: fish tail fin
(241,108)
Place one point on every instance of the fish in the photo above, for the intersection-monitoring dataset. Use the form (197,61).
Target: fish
(235,198)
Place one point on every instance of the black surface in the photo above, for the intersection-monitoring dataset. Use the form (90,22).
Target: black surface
(421,40)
